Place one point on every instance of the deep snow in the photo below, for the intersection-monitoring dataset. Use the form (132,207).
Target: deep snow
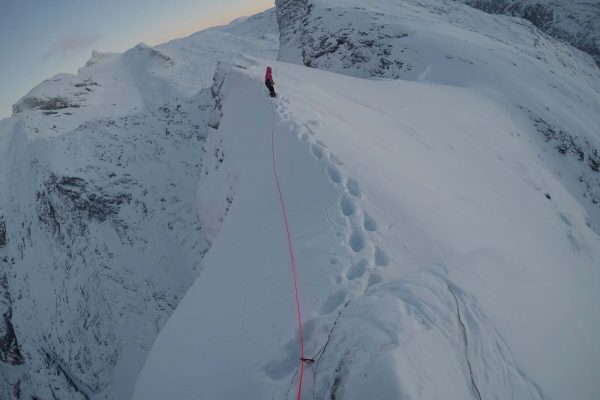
(405,210)
(445,223)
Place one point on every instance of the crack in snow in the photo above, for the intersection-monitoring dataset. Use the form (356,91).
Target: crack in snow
(466,343)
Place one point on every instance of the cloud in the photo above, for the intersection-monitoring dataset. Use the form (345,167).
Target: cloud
(71,43)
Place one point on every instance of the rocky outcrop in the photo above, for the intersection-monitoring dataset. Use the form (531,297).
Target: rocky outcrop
(9,345)
(67,203)
(48,104)
(2,232)
(63,92)
(362,42)
(573,147)
(221,72)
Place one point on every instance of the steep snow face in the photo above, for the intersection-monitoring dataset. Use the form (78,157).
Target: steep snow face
(549,85)
(575,22)
(438,257)
(99,232)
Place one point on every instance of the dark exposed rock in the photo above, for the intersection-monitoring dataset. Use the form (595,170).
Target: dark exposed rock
(221,72)
(570,145)
(363,43)
(2,232)
(9,346)
(86,83)
(67,204)
(75,384)
(292,15)
(45,104)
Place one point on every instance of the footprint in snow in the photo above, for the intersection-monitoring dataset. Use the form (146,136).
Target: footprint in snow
(353,187)
(317,151)
(357,270)
(334,174)
(346,205)
(357,241)
(369,223)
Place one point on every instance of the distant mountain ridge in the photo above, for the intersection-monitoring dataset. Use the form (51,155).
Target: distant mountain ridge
(575,22)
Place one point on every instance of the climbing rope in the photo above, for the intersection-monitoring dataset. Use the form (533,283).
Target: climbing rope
(292,258)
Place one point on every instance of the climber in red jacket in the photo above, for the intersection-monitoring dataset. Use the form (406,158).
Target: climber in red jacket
(269,82)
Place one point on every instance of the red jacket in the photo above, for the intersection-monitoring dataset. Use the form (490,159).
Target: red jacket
(268,76)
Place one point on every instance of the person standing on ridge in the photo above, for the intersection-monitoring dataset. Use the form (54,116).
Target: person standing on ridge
(269,82)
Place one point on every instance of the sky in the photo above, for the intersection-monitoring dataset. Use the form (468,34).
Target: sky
(40,38)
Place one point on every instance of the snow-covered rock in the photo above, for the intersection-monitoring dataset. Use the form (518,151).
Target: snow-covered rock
(99,232)
(98,56)
(355,38)
(575,22)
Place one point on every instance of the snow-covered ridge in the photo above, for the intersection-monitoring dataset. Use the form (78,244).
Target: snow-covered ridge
(418,232)
(442,221)
(99,233)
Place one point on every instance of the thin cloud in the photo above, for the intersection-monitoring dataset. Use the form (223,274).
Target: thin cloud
(72,43)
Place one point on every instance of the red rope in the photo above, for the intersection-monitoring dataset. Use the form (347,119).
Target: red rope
(292,256)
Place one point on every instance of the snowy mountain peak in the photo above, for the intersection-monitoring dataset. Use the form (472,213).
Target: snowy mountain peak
(98,57)
(146,53)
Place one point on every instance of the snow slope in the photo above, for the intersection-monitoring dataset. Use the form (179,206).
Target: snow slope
(100,234)
(575,22)
(431,262)
(550,86)
(445,222)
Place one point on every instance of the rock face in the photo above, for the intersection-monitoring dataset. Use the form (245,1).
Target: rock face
(9,346)
(361,42)
(99,232)
(2,232)
(575,22)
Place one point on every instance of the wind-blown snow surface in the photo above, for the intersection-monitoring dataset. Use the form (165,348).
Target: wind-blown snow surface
(442,223)
(550,86)
(431,262)
(99,234)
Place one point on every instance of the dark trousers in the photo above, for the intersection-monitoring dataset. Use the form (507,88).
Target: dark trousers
(271,88)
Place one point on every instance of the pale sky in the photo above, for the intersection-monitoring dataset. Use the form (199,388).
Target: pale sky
(40,38)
